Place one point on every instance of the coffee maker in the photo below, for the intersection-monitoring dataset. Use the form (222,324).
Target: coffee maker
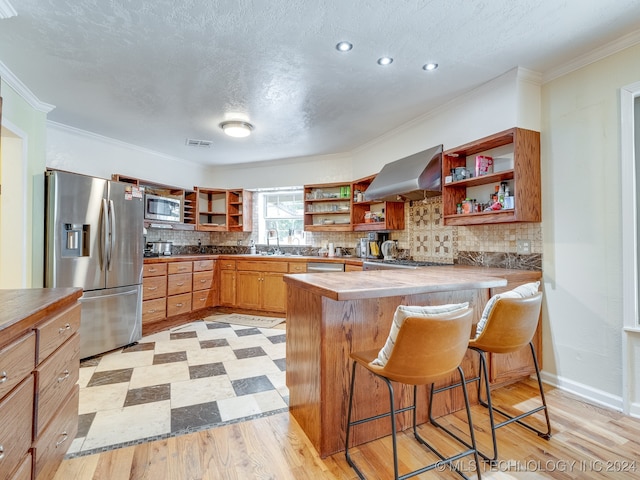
(371,245)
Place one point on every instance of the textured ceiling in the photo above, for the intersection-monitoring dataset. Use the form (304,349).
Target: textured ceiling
(156,72)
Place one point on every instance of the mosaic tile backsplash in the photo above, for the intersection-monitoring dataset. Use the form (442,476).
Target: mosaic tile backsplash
(425,238)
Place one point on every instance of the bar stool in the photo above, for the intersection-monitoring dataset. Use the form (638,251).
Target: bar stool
(510,326)
(425,350)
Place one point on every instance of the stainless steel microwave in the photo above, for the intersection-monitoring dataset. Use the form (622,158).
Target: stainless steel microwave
(167,209)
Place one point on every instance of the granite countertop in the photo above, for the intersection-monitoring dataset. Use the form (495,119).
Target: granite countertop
(23,307)
(387,283)
(246,256)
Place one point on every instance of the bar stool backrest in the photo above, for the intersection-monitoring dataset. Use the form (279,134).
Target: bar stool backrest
(511,325)
(428,348)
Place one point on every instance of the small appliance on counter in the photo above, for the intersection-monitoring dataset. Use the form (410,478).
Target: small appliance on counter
(158,249)
(389,250)
(371,246)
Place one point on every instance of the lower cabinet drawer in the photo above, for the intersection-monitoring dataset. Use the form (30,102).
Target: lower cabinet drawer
(16,412)
(202,299)
(202,280)
(24,470)
(179,283)
(153,310)
(178,304)
(154,287)
(56,331)
(51,447)
(55,379)
(17,360)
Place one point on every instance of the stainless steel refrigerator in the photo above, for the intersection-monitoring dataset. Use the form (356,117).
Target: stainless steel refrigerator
(94,240)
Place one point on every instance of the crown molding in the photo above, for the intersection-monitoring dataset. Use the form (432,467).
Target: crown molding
(593,56)
(6,10)
(22,90)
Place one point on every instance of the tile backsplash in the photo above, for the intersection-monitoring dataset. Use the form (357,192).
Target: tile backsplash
(424,238)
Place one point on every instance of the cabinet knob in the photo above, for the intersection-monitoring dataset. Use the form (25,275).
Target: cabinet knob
(179,304)
(3,377)
(1,452)
(64,436)
(64,329)
(152,288)
(152,270)
(151,311)
(203,281)
(180,284)
(65,375)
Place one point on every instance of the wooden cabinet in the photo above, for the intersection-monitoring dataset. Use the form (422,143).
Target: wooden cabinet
(239,217)
(179,288)
(259,285)
(297,267)
(16,428)
(227,283)
(327,207)
(220,210)
(205,292)
(376,215)
(39,368)
(173,288)
(516,156)
(154,292)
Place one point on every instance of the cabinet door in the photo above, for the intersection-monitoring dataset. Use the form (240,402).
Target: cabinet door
(228,287)
(249,290)
(274,292)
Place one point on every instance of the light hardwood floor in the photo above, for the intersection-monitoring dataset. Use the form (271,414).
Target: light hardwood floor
(589,442)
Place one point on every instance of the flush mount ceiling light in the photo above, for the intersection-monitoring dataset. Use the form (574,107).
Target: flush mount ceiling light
(344,46)
(430,67)
(236,128)
(385,61)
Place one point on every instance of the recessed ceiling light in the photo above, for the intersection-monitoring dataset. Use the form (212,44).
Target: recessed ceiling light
(385,60)
(430,66)
(344,46)
(236,128)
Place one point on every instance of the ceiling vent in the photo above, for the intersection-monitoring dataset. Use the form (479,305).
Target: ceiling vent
(192,142)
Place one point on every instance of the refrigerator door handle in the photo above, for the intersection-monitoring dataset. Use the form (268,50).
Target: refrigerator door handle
(112,233)
(104,236)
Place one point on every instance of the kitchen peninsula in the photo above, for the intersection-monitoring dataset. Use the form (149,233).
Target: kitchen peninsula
(330,315)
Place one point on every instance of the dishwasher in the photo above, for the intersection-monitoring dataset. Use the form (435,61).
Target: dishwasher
(321,267)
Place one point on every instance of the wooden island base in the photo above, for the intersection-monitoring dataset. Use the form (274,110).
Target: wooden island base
(330,315)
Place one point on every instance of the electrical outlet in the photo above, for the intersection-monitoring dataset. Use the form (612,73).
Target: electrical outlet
(238,242)
(523,247)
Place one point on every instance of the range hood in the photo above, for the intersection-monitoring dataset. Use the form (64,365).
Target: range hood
(411,178)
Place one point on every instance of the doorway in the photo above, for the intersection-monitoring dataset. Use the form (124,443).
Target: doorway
(630,191)
(15,246)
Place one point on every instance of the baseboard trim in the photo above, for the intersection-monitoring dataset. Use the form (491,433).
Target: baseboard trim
(588,393)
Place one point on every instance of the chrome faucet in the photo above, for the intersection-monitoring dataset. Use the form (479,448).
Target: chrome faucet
(270,233)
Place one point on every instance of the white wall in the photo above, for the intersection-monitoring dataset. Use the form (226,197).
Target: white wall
(582,259)
(83,152)
(511,100)
(285,173)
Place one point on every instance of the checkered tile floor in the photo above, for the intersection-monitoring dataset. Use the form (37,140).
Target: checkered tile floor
(190,378)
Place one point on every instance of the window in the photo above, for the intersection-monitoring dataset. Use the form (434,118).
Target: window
(283,211)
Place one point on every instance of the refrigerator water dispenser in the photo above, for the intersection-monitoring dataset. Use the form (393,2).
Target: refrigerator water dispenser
(76,242)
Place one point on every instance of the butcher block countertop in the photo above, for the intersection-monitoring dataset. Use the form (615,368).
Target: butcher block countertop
(389,283)
(22,308)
